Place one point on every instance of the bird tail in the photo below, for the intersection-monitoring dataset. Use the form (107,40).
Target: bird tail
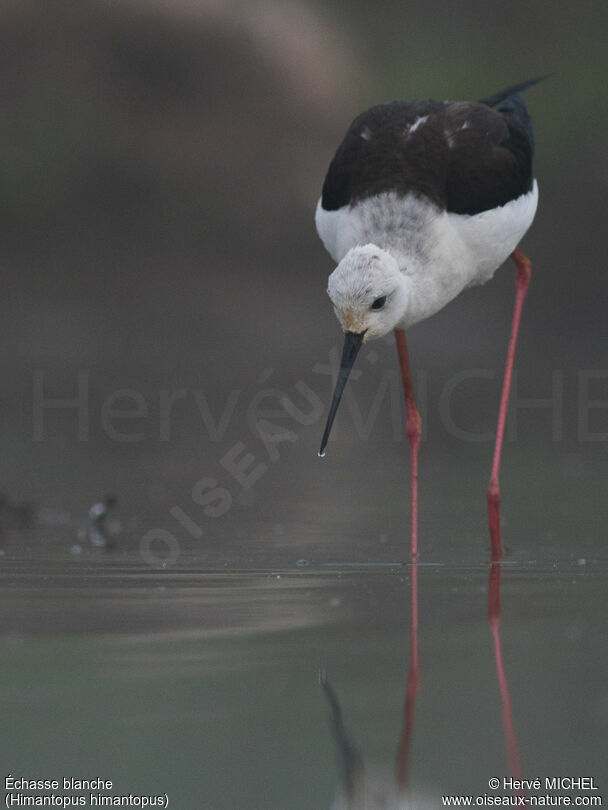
(502,95)
(510,103)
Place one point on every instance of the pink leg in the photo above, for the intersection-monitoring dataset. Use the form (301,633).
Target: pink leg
(522,279)
(413,430)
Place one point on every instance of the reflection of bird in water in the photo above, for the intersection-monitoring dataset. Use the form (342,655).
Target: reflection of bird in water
(364,786)
(421,200)
(513,757)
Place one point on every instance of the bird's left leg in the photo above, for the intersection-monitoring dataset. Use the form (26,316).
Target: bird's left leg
(522,280)
(413,430)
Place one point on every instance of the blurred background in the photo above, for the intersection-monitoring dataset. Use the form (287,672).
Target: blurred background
(167,342)
(160,166)
(160,163)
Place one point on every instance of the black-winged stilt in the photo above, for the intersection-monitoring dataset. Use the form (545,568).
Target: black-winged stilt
(423,199)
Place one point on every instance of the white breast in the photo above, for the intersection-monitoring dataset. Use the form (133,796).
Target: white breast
(389,220)
(403,224)
(441,253)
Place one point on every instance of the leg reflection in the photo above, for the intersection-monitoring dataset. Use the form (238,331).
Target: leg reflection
(413,684)
(513,757)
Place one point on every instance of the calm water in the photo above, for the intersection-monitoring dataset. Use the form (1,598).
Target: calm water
(205,684)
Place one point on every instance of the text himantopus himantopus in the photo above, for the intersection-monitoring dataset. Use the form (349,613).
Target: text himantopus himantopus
(423,199)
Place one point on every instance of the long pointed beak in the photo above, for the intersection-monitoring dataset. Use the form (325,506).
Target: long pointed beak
(352,344)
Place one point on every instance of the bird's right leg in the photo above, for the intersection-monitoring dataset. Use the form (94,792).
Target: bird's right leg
(413,430)
(522,280)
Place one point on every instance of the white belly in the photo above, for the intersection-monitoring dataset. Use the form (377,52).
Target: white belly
(491,237)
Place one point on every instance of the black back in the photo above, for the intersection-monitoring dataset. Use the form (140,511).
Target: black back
(466,157)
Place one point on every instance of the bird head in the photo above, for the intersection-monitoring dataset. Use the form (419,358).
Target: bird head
(368,292)
(370,297)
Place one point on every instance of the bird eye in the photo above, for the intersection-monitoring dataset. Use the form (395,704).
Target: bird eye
(379,302)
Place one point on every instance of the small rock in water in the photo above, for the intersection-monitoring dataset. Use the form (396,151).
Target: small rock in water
(98,530)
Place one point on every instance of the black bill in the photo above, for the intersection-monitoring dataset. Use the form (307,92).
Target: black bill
(352,344)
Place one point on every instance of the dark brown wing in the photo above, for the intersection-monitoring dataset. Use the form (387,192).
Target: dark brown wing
(490,158)
(465,157)
(380,153)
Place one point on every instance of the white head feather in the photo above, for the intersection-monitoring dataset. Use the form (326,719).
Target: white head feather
(368,274)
